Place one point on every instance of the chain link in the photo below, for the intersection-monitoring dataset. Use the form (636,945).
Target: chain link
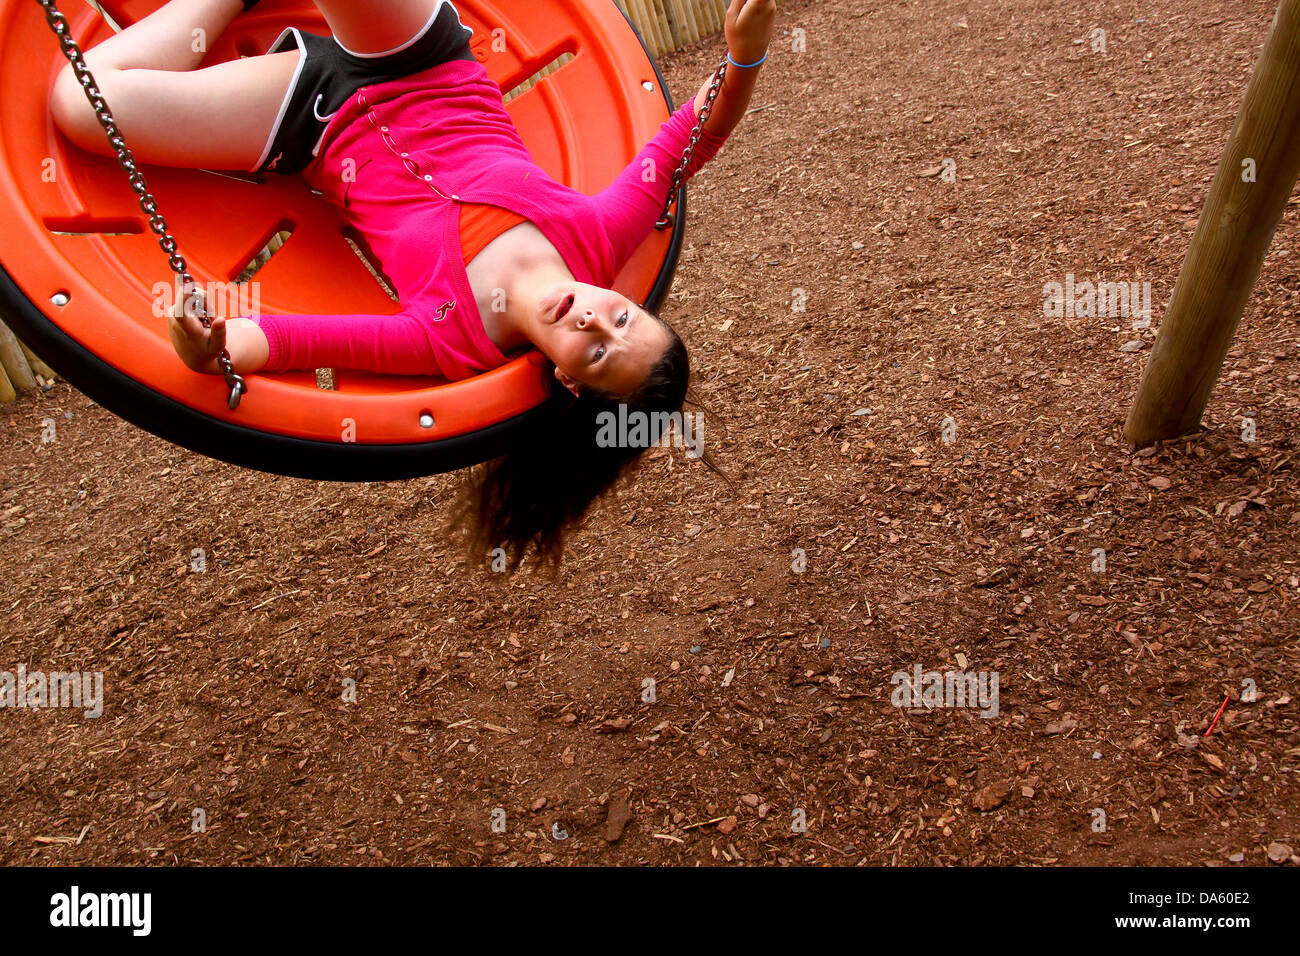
(148,204)
(667,218)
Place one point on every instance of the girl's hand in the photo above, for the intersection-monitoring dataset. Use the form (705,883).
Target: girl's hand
(749,28)
(197,347)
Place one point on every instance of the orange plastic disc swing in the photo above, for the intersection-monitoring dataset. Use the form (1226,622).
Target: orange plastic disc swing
(79,266)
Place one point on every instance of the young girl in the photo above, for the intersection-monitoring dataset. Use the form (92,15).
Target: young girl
(394,120)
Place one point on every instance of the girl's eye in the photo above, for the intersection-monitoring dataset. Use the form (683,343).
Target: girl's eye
(600,354)
(622,320)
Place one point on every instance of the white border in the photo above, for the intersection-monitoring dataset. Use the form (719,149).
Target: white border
(293,85)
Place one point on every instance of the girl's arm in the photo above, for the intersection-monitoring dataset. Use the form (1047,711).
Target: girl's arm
(750,24)
(732,102)
(629,206)
(399,344)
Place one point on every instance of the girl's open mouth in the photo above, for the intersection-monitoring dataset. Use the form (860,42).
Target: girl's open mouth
(563,308)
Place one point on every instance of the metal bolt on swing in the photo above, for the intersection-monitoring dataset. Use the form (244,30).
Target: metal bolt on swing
(667,218)
(148,204)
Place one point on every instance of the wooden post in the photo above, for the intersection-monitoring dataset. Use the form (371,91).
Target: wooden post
(695,29)
(671,14)
(38,366)
(669,25)
(666,33)
(711,17)
(7,392)
(1245,204)
(14,362)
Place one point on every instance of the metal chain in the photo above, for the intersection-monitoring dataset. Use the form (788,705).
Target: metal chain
(667,218)
(148,204)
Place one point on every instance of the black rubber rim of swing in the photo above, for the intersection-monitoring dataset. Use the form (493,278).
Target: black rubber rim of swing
(265,451)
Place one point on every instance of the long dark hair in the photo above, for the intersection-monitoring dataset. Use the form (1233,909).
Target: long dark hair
(529,499)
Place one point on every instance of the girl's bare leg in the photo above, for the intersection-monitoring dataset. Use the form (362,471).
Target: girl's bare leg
(219,117)
(170,112)
(361,28)
(164,40)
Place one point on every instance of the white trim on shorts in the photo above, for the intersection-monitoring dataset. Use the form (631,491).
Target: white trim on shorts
(411,42)
(293,85)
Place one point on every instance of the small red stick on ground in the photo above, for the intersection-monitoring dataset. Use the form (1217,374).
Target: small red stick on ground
(1216,716)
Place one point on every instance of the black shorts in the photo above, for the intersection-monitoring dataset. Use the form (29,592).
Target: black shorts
(328,75)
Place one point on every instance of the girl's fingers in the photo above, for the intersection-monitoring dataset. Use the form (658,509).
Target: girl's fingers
(204,341)
(751,10)
(185,322)
(194,330)
(217,338)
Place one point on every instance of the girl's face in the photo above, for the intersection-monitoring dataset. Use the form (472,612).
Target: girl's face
(598,337)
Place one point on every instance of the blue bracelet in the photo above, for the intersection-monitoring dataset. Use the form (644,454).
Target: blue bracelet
(744,66)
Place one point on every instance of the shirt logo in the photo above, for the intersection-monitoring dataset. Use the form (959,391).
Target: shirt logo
(444,309)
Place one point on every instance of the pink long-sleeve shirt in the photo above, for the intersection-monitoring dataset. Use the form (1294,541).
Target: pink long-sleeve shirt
(397,158)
